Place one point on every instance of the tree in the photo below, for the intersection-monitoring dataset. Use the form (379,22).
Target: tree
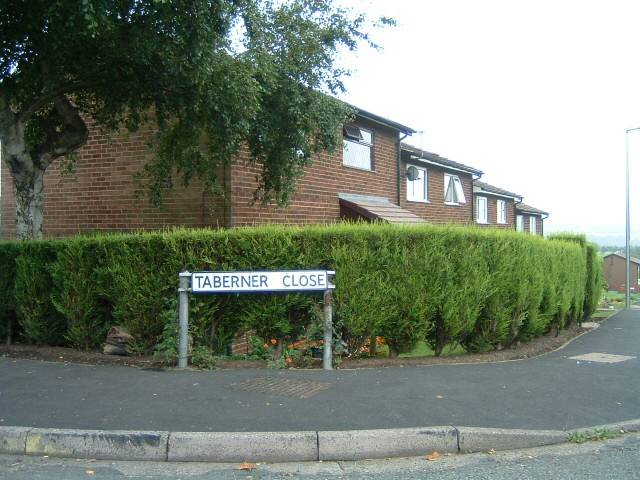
(213,75)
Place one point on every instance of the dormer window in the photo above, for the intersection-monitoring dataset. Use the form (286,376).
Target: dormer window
(453,192)
(357,150)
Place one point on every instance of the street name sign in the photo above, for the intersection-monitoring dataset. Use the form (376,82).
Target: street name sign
(262,281)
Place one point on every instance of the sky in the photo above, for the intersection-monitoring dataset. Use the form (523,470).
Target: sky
(536,94)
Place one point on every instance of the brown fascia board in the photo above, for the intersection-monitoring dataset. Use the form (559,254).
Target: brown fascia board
(529,209)
(382,121)
(414,154)
(486,189)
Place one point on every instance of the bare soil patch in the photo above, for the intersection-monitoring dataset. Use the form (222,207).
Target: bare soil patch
(529,349)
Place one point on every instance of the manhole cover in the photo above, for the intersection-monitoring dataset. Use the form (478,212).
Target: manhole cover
(285,387)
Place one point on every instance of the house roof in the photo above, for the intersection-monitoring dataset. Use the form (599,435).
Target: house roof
(420,155)
(622,255)
(529,209)
(481,187)
(378,208)
(383,121)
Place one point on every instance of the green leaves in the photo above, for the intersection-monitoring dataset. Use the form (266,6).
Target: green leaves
(213,76)
(446,285)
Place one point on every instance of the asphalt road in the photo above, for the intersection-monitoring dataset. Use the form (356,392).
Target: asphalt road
(617,459)
(550,392)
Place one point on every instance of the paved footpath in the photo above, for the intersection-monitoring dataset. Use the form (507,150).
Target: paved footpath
(549,392)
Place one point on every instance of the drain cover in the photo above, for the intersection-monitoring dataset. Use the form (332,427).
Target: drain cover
(283,387)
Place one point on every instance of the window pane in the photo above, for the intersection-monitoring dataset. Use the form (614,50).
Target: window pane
(459,190)
(481,209)
(532,224)
(367,136)
(502,211)
(519,223)
(356,155)
(417,189)
(449,188)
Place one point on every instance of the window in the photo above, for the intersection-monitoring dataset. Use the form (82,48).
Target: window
(532,225)
(417,189)
(501,206)
(481,210)
(519,223)
(357,147)
(453,192)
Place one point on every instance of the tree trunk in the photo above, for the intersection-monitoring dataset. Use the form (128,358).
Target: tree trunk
(29,195)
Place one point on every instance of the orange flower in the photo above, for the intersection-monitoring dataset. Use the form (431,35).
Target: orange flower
(273,341)
(288,360)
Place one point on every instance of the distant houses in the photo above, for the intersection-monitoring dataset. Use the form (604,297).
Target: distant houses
(374,176)
(615,272)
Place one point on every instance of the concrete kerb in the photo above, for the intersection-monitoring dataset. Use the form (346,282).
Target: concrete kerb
(278,446)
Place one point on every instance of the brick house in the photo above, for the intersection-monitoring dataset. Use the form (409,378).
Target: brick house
(615,272)
(494,207)
(530,219)
(375,177)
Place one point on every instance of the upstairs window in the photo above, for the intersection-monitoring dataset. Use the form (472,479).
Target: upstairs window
(481,210)
(453,192)
(417,188)
(501,206)
(357,148)
(532,225)
(519,223)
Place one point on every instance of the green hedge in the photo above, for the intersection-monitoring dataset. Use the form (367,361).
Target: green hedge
(446,285)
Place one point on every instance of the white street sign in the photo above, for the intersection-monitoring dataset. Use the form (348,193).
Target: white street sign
(266,281)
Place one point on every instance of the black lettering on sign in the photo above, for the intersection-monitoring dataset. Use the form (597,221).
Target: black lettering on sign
(313,280)
(225,281)
(245,281)
(285,281)
(234,281)
(304,280)
(216,281)
(263,280)
(321,280)
(198,278)
(207,282)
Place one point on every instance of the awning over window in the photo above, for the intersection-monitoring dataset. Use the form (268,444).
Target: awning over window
(375,208)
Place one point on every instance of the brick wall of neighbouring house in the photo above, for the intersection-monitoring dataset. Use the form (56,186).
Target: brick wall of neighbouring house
(100,194)
(436,210)
(526,218)
(316,198)
(615,272)
(492,214)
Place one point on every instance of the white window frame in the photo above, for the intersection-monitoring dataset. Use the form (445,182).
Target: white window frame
(410,190)
(349,138)
(532,225)
(484,219)
(457,195)
(520,223)
(501,212)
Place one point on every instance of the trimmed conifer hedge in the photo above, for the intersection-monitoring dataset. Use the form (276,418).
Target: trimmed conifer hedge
(446,285)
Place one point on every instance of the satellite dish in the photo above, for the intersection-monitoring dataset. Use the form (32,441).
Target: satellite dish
(412,173)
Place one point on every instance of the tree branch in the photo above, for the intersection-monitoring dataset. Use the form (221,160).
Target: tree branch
(70,138)
(49,96)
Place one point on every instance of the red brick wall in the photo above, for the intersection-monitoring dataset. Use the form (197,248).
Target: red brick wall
(436,210)
(492,213)
(316,198)
(528,218)
(100,195)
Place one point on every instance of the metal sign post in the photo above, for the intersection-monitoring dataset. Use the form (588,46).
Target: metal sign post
(256,282)
(183,294)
